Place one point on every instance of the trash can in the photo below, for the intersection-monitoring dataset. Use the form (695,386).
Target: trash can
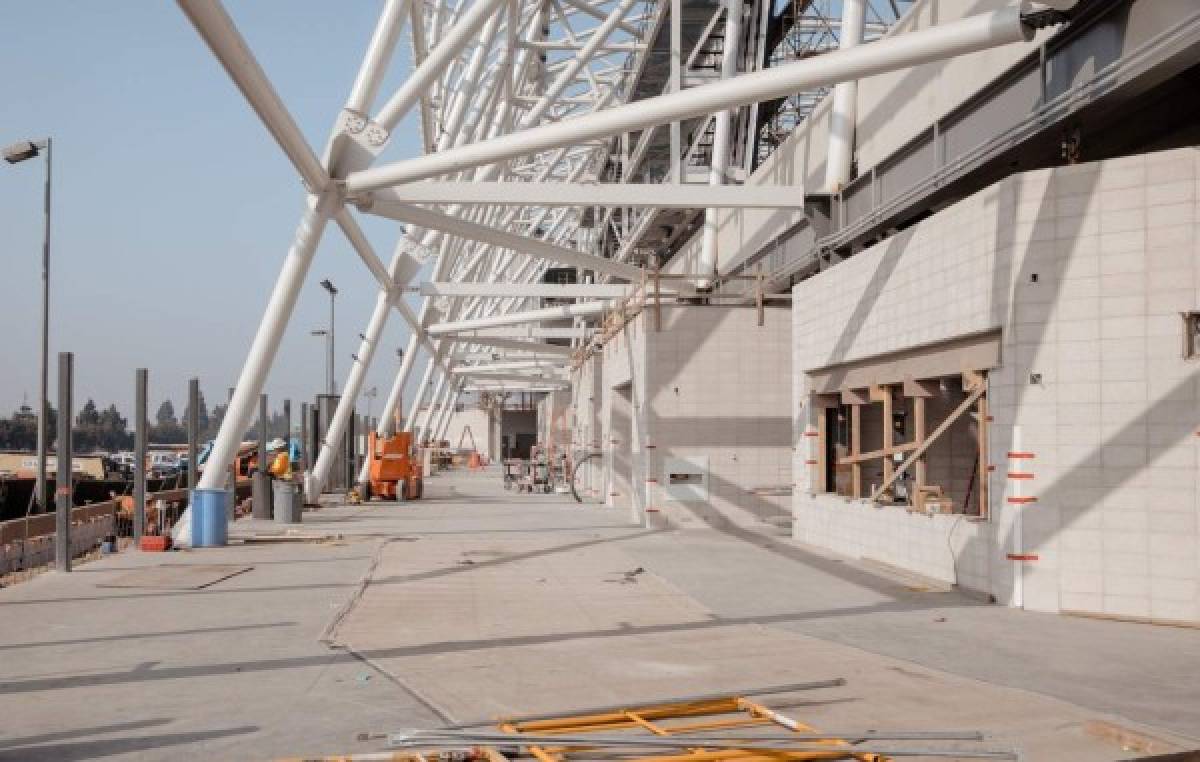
(287,505)
(209,525)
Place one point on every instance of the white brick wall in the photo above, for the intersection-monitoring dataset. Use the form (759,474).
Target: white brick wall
(718,386)
(1116,250)
(479,422)
(711,382)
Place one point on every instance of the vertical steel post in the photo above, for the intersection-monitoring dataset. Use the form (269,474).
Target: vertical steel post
(193,426)
(287,427)
(332,380)
(140,381)
(839,160)
(303,436)
(262,432)
(261,486)
(709,264)
(63,481)
(675,166)
(41,494)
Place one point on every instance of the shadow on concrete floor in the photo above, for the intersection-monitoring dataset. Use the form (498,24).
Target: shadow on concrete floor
(80,750)
(140,636)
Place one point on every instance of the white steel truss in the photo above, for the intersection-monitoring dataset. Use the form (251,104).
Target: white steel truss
(531,111)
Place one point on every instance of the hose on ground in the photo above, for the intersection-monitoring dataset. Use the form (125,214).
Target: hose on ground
(575,472)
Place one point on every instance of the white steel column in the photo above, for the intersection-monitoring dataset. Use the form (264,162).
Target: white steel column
(721,140)
(415,406)
(675,166)
(443,426)
(840,156)
(314,481)
(266,340)
(421,432)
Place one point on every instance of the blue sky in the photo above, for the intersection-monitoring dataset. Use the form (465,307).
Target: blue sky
(173,208)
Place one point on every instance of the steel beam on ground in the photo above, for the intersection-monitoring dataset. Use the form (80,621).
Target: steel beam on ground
(956,38)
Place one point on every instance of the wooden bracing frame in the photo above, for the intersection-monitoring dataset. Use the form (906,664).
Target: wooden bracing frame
(975,386)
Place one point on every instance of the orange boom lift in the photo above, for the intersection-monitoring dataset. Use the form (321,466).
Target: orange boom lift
(393,473)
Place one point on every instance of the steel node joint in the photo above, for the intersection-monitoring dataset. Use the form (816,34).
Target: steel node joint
(356,123)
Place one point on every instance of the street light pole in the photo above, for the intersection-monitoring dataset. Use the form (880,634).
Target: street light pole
(14,154)
(328,286)
(328,356)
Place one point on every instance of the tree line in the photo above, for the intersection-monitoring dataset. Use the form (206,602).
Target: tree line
(105,429)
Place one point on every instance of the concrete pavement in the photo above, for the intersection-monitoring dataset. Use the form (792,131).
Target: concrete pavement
(478,602)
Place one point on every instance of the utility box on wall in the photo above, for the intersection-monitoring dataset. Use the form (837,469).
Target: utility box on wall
(685,480)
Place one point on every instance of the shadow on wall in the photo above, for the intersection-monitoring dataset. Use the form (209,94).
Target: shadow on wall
(868,300)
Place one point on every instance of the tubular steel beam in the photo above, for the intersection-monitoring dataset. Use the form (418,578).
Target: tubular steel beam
(516,318)
(956,38)
(552,194)
(537,290)
(473,231)
(218,30)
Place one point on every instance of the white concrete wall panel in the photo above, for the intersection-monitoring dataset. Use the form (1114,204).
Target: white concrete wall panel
(1086,270)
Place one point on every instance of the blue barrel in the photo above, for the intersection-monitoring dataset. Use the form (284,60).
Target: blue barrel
(210,527)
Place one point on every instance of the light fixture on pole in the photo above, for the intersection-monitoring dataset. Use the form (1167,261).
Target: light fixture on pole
(14,154)
(328,357)
(328,286)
